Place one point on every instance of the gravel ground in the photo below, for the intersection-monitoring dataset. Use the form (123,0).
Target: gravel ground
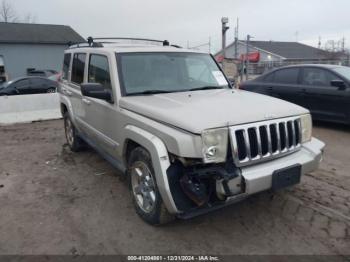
(56,202)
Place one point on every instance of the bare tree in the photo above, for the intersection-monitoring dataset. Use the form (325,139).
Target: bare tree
(29,18)
(7,12)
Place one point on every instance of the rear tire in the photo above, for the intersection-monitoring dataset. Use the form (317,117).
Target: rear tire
(147,200)
(74,142)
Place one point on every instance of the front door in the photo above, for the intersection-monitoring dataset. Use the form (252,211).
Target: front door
(325,102)
(101,116)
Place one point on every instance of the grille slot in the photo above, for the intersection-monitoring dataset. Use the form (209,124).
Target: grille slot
(274,138)
(265,140)
(241,146)
(253,139)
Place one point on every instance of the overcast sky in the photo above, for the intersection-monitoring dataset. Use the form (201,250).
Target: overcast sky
(196,20)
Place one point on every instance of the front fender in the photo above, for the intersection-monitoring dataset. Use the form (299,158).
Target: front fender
(160,161)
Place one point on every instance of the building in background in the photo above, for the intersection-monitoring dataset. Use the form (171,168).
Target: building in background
(264,55)
(24,47)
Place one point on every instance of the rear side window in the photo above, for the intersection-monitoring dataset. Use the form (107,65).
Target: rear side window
(99,70)
(36,73)
(269,78)
(287,76)
(78,68)
(22,84)
(66,64)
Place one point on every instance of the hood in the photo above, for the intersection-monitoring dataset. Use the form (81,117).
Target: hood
(200,110)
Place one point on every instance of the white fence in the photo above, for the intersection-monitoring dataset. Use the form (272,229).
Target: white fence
(29,108)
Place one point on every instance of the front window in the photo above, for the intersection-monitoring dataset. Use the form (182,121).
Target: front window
(99,71)
(143,73)
(343,71)
(317,77)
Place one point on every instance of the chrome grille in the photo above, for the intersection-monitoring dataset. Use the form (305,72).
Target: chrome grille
(257,142)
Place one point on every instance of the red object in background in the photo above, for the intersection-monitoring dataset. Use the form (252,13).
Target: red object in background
(252,57)
(219,58)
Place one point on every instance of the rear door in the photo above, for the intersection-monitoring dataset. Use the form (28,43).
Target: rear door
(285,85)
(325,102)
(72,89)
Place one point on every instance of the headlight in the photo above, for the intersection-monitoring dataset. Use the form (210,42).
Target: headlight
(306,128)
(215,143)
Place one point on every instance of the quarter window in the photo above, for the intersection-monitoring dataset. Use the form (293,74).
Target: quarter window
(287,76)
(78,68)
(66,64)
(99,71)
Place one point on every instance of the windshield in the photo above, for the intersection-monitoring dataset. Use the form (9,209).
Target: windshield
(142,73)
(343,71)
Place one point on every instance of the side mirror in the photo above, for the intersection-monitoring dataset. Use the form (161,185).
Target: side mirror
(96,90)
(338,83)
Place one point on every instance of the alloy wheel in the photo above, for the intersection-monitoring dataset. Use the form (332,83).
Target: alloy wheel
(143,186)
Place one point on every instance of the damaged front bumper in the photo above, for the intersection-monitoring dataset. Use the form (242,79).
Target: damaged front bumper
(254,179)
(259,177)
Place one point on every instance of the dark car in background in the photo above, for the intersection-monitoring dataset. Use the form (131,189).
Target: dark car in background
(28,85)
(323,89)
(48,73)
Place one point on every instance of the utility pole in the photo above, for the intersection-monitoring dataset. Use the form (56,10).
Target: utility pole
(224,22)
(343,44)
(319,42)
(247,57)
(236,38)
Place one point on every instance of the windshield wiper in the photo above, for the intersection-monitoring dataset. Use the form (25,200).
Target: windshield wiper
(150,92)
(207,88)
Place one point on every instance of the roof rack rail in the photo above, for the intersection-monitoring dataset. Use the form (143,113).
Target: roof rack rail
(99,41)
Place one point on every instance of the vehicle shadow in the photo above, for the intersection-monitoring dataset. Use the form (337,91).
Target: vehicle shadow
(329,125)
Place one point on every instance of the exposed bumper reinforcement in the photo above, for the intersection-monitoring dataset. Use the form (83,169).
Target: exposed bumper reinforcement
(258,178)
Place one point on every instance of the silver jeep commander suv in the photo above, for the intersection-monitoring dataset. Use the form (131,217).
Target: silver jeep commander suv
(168,118)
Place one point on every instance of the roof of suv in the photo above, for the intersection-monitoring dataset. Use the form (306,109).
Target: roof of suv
(123,48)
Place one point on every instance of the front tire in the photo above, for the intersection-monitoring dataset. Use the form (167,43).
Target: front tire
(147,200)
(75,143)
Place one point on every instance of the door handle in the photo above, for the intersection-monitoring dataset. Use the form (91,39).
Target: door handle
(86,101)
